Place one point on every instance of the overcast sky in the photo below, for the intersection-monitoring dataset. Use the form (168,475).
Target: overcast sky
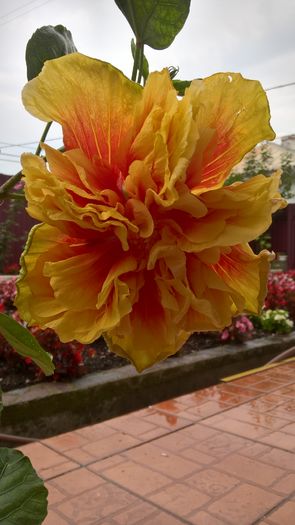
(254,37)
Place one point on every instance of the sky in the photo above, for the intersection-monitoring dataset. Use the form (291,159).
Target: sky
(253,37)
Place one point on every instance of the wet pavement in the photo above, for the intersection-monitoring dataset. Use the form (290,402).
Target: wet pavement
(221,455)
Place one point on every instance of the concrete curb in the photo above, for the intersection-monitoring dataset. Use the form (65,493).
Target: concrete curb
(48,409)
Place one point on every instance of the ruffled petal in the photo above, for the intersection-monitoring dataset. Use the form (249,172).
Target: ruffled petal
(232,115)
(235,214)
(225,283)
(92,100)
(78,289)
(147,334)
(65,197)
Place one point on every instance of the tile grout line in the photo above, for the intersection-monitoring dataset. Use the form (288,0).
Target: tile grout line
(144,499)
(277,506)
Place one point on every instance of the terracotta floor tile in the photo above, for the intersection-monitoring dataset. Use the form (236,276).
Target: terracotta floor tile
(104,464)
(203,518)
(280,440)
(137,478)
(200,396)
(47,462)
(171,405)
(198,457)
(54,519)
(110,445)
(200,432)
(266,385)
(162,518)
(240,428)
(286,485)
(246,414)
(289,428)
(153,434)
(74,483)
(80,456)
(54,495)
(285,410)
(212,482)
(41,456)
(164,419)
(177,441)
(65,442)
(96,432)
(249,380)
(249,469)
(254,450)
(96,504)
(57,470)
(264,403)
(280,458)
(132,425)
(233,388)
(284,515)
(244,505)
(221,445)
(161,460)
(134,514)
(209,408)
(179,499)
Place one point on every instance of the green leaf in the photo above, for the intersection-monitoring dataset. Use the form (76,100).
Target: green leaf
(23,497)
(181,85)
(46,43)
(155,22)
(25,344)
(145,64)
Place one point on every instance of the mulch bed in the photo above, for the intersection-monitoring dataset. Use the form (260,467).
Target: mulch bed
(101,359)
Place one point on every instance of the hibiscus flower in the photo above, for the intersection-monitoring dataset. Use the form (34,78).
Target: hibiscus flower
(140,241)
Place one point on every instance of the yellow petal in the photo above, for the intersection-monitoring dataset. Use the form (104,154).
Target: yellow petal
(65,197)
(78,289)
(93,101)
(232,115)
(233,284)
(235,214)
(146,335)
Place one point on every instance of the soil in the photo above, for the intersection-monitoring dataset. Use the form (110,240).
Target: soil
(101,359)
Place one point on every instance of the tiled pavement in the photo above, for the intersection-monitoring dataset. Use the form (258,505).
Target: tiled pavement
(222,455)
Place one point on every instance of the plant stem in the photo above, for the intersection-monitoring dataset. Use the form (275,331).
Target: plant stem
(15,196)
(43,137)
(12,181)
(140,64)
(136,61)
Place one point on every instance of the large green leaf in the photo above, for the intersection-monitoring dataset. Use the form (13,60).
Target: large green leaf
(23,497)
(46,43)
(25,344)
(155,22)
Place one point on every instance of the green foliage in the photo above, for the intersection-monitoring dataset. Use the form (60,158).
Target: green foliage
(260,162)
(46,43)
(288,175)
(155,22)
(23,496)
(25,344)
(7,232)
(275,321)
(181,85)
